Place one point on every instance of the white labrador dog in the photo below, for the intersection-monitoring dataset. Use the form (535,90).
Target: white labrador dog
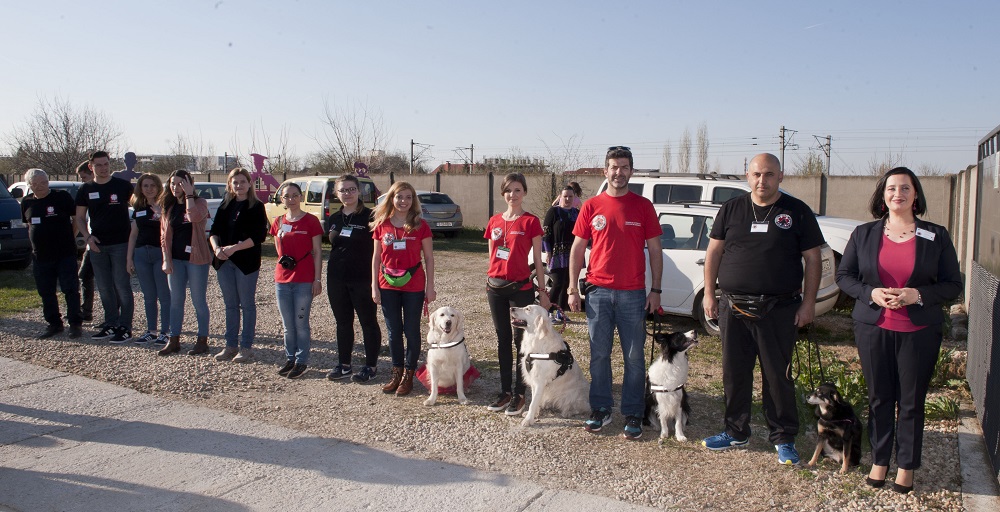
(447,356)
(555,378)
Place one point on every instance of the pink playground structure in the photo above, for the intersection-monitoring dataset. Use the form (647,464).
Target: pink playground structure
(264,182)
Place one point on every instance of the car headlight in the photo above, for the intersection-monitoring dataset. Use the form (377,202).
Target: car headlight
(17,223)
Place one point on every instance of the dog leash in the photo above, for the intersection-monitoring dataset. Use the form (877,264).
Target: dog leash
(427,311)
(658,328)
(811,347)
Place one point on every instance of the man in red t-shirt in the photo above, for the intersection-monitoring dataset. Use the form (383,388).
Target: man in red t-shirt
(620,224)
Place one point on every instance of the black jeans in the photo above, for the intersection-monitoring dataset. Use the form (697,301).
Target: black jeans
(506,335)
(87,279)
(560,283)
(772,340)
(61,272)
(346,299)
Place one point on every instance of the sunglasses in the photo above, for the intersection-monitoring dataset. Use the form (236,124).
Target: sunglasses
(619,148)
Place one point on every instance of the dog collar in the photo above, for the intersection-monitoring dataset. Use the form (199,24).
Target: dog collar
(664,389)
(447,345)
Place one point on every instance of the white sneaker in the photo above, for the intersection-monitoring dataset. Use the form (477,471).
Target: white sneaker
(243,356)
(226,354)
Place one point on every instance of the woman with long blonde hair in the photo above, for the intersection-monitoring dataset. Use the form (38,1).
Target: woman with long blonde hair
(239,229)
(145,258)
(401,283)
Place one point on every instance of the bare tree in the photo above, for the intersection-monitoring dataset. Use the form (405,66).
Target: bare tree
(57,136)
(684,153)
(351,134)
(568,156)
(878,166)
(666,157)
(811,165)
(281,158)
(703,148)
(926,169)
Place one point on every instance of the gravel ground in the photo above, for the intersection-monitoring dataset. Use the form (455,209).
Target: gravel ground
(556,452)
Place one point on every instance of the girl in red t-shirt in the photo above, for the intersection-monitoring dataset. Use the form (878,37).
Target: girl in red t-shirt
(511,235)
(296,276)
(401,284)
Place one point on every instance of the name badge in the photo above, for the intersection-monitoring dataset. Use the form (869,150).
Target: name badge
(923,233)
(503,253)
(759,227)
(36,220)
(187,249)
(286,228)
(141,213)
(94,195)
(399,245)
(346,231)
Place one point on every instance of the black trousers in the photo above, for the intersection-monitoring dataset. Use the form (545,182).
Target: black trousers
(87,280)
(560,283)
(61,273)
(772,341)
(506,335)
(346,299)
(898,367)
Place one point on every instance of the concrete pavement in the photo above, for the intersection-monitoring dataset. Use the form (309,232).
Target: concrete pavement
(72,443)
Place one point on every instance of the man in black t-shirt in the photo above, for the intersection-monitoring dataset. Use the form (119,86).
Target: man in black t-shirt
(49,216)
(756,247)
(106,199)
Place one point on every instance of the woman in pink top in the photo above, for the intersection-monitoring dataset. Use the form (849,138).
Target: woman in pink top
(901,270)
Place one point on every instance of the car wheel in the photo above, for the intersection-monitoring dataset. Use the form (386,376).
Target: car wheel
(710,326)
(547,282)
(450,234)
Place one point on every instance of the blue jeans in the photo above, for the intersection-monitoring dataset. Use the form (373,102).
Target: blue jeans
(607,309)
(239,292)
(294,304)
(61,272)
(148,261)
(196,277)
(402,317)
(114,284)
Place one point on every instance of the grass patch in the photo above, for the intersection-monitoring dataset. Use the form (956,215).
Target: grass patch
(466,240)
(18,292)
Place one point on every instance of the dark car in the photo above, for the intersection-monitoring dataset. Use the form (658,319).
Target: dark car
(14,244)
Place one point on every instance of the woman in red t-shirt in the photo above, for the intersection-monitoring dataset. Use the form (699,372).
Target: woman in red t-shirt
(511,235)
(296,276)
(401,284)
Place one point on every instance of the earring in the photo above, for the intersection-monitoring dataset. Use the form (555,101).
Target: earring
(914,206)
(883,207)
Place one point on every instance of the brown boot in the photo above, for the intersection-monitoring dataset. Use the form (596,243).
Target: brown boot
(397,375)
(200,346)
(405,385)
(173,346)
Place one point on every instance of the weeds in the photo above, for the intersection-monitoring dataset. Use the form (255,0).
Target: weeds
(942,408)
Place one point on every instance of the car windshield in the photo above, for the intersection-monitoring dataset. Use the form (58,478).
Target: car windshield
(435,199)
(210,190)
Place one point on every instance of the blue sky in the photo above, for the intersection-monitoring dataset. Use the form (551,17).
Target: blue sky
(912,78)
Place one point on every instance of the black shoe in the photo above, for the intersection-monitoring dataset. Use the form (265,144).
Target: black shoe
(874,483)
(50,331)
(297,371)
(75,331)
(366,374)
(901,489)
(287,368)
(122,335)
(340,372)
(106,333)
(88,317)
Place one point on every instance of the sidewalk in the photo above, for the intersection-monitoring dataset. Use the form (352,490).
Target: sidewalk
(72,443)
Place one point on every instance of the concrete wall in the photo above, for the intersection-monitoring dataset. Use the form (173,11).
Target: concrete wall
(848,196)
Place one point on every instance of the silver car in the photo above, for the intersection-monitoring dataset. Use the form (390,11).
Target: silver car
(438,211)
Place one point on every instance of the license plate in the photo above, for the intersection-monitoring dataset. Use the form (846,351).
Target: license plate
(445,224)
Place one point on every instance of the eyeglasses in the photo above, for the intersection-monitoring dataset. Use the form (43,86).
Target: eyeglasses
(619,148)
(352,190)
(291,196)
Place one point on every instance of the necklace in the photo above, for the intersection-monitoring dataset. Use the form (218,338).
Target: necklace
(889,234)
(753,207)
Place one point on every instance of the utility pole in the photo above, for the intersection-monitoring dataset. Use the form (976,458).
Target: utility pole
(413,158)
(823,176)
(786,143)
(472,156)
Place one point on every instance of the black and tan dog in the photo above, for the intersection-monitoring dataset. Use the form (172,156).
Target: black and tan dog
(838,428)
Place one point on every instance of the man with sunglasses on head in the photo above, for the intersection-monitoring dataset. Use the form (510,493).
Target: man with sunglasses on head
(619,223)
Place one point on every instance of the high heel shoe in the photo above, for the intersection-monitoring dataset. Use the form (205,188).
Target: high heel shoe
(901,489)
(875,483)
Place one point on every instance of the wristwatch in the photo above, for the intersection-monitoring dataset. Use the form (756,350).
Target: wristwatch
(655,290)
(573,291)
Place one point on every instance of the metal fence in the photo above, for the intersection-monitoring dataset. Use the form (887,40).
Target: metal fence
(983,370)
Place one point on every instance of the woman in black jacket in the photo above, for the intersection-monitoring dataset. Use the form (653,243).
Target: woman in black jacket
(901,270)
(349,280)
(236,236)
(557,240)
